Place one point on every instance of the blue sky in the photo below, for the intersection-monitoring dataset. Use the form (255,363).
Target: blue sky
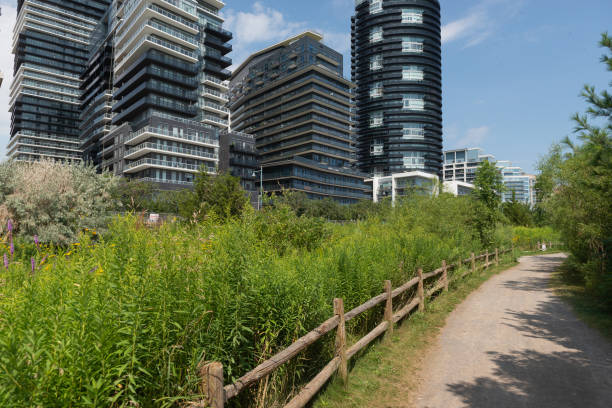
(512,69)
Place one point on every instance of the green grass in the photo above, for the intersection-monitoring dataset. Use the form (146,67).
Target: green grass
(125,319)
(587,307)
(384,375)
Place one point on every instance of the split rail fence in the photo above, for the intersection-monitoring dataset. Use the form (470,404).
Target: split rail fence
(212,374)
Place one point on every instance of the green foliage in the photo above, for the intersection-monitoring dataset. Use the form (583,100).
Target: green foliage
(125,321)
(577,192)
(220,195)
(329,209)
(487,193)
(53,200)
(518,213)
(525,237)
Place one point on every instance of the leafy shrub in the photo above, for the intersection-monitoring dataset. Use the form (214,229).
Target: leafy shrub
(526,237)
(53,200)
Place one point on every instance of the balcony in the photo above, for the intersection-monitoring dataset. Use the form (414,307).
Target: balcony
(146,163)
(148,132)
(148,147)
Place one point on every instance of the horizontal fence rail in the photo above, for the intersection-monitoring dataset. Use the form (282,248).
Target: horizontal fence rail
(217,394)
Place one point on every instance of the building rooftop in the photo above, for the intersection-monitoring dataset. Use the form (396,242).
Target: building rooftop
(312,34)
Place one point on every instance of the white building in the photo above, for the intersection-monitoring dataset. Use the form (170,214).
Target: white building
(461,164)
(457,188)
(402,184)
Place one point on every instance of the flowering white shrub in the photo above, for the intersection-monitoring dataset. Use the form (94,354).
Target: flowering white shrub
(54,200)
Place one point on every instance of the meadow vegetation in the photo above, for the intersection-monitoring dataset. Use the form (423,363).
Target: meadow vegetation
(124,318)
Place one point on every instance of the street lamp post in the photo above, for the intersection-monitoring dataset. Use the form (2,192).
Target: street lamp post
(260,200)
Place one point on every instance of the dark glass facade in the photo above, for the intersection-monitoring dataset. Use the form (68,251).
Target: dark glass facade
(51,52)
(238,156)
(293,99)
(96,92)
(396,65)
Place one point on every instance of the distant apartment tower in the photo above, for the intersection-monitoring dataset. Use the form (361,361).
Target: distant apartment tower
(293,98)
(396,65)
(461,164)
(50,43)
(168,90)
(520,186)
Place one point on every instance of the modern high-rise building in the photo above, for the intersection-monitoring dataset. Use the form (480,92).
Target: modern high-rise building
(397,67)
(97,92)
(51,40)
(168,90)
(137,87)
(293,98)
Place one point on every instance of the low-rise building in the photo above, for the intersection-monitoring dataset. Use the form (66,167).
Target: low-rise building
(458,188)
(399,185)
(461,164)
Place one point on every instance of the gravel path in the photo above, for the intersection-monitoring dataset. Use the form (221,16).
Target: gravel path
(514,344)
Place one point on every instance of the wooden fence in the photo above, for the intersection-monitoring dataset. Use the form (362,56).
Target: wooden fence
(212,374)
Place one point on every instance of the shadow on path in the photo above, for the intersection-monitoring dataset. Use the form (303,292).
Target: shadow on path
(577,374)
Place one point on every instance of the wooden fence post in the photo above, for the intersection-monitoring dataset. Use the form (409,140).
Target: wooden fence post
(421,291)
(496,256)
(445,275)
(473,263)
(389,307)
(341,341)
(486,265)
(212,384)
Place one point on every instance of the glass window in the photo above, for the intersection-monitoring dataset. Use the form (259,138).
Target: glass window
(412,73)
(414,160)
(375,6)
(412,44)
(412,16)
(414,102)
(376,62)
(413,131)
(376,34)
(377,148)
(376,91)
(376,119)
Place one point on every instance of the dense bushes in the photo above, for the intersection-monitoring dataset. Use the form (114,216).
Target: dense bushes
(576,192)
(53,200)
(126,321)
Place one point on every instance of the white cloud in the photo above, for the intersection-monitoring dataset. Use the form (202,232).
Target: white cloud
(260,25)
(460,28)
(473,137)
(264,26)
(481,21)
(7,21)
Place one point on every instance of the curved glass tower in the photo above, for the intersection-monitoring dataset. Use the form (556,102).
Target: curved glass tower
(397,67)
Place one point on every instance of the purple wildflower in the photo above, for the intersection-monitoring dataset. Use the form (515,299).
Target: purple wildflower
(6,261)
(33,262)
(9,224)
(12,248)
(36,241)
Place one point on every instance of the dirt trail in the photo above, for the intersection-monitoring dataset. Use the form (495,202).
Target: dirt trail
(513,343)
